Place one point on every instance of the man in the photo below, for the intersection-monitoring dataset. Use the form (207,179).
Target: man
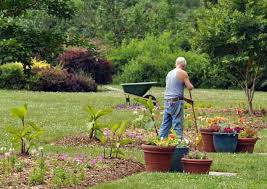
(173,101)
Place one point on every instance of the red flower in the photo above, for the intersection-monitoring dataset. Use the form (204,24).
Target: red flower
(238,129)
(228,130)
(171,136)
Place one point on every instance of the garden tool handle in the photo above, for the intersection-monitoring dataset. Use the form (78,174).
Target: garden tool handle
(193,110)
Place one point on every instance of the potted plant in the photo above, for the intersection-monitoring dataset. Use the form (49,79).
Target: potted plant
(158,152)
(207,133)
(248,136)
(247,140)
(226,139)
(196,162)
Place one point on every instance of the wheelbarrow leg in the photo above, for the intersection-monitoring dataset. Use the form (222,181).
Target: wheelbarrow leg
(127,99)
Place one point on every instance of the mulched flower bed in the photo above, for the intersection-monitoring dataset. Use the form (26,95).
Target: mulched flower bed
(95,171)
(136,135)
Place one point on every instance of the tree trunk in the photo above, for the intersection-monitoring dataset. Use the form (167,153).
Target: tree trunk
(249,91)
(250,107)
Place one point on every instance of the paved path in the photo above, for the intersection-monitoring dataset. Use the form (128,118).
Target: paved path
(212,173)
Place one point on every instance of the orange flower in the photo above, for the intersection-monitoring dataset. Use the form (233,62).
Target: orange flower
(171,136)
(242,120)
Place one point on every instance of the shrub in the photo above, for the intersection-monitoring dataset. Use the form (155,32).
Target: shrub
(152,58)
(55,79)
(39,63)
(84,61)
(11,76)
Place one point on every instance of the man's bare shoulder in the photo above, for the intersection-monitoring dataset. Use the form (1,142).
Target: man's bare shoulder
(182,73)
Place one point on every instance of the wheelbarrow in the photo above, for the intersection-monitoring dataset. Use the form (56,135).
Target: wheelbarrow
(138,90)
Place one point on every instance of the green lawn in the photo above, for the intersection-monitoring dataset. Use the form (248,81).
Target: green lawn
(61,114)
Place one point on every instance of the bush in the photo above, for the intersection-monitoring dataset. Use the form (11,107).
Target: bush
(39,63)
(84,61)
(152,58)
(55,79)
(12,76)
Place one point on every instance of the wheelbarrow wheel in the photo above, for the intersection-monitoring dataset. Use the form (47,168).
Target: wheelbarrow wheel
(152,97)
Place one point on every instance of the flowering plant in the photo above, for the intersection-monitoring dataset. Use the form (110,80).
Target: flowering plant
(171,140)
(215,123)
(229,128)
(248,133)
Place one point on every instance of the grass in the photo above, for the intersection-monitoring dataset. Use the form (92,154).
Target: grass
(61,114)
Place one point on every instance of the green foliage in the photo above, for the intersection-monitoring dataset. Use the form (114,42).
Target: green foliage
(32,28)
(149,105)
(28,134)
(118,20)
(63,177)
(152,58)
(36,176)
(94,128)
(196,155)
(234,34)
(12,76)
(116,140)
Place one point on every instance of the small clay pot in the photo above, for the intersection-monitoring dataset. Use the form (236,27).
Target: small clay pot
(246,145)
(197,166)
(157,158)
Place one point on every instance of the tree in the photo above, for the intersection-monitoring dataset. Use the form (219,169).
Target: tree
(234,34)
(32,28)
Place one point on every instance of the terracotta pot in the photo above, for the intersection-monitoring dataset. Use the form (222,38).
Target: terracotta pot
(157,159)
(198,166)
(246,144)
(207,137)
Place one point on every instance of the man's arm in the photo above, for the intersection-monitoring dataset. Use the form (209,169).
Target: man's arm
(187,82)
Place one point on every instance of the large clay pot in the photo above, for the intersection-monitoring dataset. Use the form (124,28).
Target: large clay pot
(225,142)
(198,166)
(179,153)
(207,137)
(246,144)
(157,159)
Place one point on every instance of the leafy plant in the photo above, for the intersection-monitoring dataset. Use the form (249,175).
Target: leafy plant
(149,105)
(27,135)
(36,176)
(116,139)
(85,61)
(196,155)
(63,177)
(56,79)
(248,132)
(11,76)
(95,129)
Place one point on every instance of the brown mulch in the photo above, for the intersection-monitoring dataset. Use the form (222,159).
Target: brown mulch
(77,140)
(119,169)
(85,140)
(110,169)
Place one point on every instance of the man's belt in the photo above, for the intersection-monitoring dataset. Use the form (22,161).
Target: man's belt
(174,99)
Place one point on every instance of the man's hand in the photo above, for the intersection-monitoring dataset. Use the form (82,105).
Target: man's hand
(189,101)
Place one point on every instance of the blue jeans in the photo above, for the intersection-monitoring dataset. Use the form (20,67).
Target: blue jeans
(173,115)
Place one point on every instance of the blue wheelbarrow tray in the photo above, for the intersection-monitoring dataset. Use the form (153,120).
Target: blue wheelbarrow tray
(138,89)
